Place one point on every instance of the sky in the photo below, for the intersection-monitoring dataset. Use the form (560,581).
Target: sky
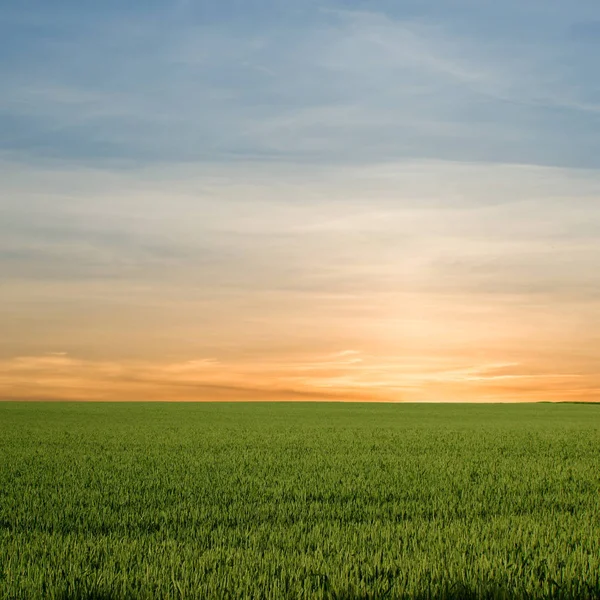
(315,200)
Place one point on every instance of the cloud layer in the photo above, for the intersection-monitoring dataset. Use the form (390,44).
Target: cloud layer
(204,200)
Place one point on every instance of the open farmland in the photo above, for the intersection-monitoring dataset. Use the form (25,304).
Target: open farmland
(299,501)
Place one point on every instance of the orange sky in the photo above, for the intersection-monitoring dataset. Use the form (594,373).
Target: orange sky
(422,281)
(268,200)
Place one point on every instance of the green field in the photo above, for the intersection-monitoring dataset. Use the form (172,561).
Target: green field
(299,501)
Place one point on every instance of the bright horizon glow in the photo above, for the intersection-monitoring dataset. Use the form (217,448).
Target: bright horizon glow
(204,201)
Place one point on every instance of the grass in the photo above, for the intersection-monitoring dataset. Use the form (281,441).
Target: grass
(118,501)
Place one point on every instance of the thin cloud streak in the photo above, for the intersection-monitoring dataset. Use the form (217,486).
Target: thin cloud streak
(60,376)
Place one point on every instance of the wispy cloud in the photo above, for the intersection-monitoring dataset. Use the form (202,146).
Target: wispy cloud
(347,85)
(59,376)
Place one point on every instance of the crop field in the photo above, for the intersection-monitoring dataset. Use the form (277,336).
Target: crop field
(150,501)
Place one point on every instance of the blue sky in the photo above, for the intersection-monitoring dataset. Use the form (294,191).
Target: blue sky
(268,80)
(385,200)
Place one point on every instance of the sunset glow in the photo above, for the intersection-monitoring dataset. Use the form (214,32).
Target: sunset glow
(389,205)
